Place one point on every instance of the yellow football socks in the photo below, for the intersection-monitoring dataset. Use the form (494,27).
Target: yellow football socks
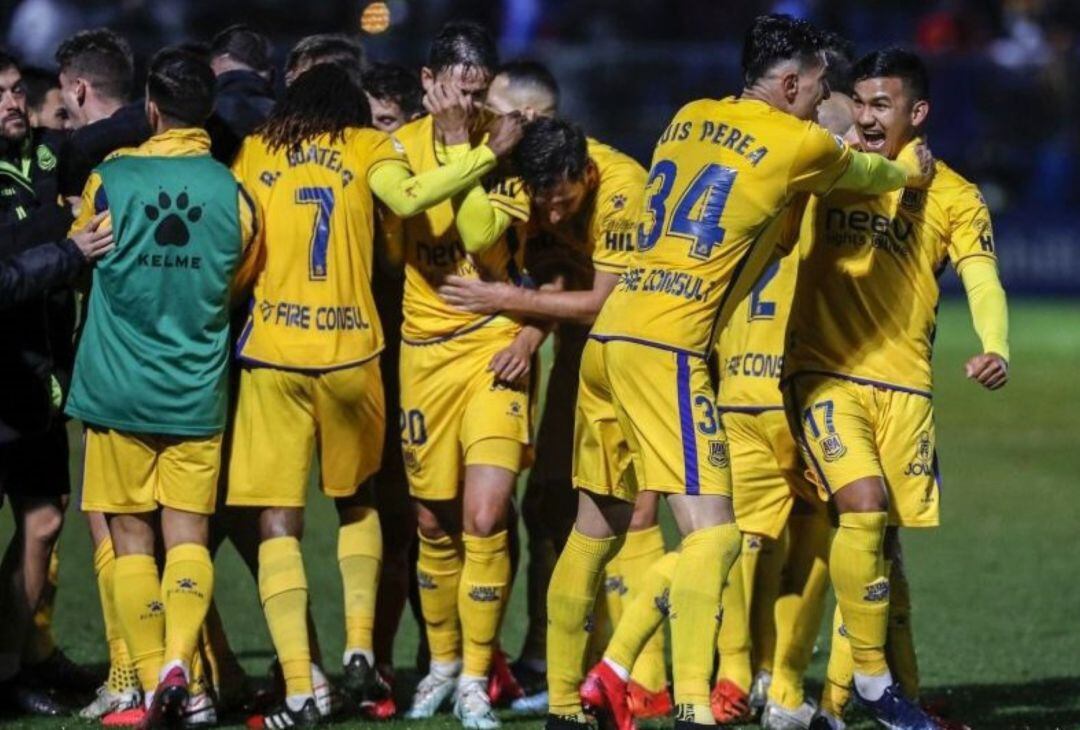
(141,615)
(763,587)
(644,616)
(800,606)
(438,572)
(187,587)
(572,594)
(900,646)
(641,550)
(481,596)
(733,638)
(837,690)
(41,644)
(857,569)
(704,563)
(122,674)
(284,594)
(359,554)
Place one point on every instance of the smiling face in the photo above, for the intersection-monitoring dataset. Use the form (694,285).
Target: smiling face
(886,116)
(13,120)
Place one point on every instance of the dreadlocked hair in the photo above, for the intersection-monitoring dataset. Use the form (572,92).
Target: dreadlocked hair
(325,99)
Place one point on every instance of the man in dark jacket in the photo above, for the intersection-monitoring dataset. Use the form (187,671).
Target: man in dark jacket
(244,95)
(33,457)
(36,270)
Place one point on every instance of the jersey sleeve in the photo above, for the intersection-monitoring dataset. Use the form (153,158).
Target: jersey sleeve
(970,232)
(381,149)
(819,162)
(509,196)
(92,202)
(615,226)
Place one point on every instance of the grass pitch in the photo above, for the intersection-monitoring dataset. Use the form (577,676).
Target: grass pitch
(995,590)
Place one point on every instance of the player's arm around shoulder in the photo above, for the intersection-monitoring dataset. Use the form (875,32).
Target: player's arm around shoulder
(972,250)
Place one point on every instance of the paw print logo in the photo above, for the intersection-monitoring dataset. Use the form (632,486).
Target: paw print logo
(155,607)
(618,202)
(172,228)
(186,583)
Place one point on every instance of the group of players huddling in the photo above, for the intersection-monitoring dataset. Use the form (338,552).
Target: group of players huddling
(745,329)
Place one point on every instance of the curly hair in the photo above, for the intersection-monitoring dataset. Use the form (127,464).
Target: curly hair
(325,99)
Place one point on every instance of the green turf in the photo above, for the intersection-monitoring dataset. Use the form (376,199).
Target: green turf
(996,593)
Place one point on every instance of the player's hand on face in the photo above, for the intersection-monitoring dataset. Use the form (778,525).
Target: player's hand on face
(989,370)
(472,295)
(513,363)
(505,132)
(95,239)
(451,110)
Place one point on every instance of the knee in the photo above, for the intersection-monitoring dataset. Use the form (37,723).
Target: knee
(486,520)
(278,522)
(428,525)
(42,526)
(863,495)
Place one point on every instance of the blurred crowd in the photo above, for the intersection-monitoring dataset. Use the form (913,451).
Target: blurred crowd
(993,56)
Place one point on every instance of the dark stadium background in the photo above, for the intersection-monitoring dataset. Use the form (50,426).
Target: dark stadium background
(996,589)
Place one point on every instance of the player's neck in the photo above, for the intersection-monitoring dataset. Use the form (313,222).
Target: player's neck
(97,109)
(767,95)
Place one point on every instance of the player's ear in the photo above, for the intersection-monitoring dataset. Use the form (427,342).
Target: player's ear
(427,78)
(592,174)
(919,111)
(789,83)
(153,115)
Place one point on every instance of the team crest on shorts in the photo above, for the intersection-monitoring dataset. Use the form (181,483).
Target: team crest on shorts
(832,448)
(877,592)
(718,454)
(412,463)
(515,410)
(922,464)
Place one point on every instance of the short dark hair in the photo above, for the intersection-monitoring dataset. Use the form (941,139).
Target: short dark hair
(325,99)
(551,150)
(181,85)
(463,43)
(775,38)
(37,82)
(532,73)
(7,61)
(101,56)
(244,45)
(898,63)
(840,55)
(396,83)
(337,48)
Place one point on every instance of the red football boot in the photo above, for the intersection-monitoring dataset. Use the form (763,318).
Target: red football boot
(730,705)
(381,705)
(646,705)
(503,687)
(125,718)
(169,699)
(604,694)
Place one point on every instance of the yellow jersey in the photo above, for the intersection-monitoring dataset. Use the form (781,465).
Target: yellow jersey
(602,236)
(312,305)
(750,349)
(431,248)
(722,174)
(866,300)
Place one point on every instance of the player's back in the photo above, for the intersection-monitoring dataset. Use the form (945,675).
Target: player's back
(722,174)
(313,305)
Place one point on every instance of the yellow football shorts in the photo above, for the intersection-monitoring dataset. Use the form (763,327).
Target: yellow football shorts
(283,417)
(653,409)
(851,430)
(767,470)
(454,414)
(129,473)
